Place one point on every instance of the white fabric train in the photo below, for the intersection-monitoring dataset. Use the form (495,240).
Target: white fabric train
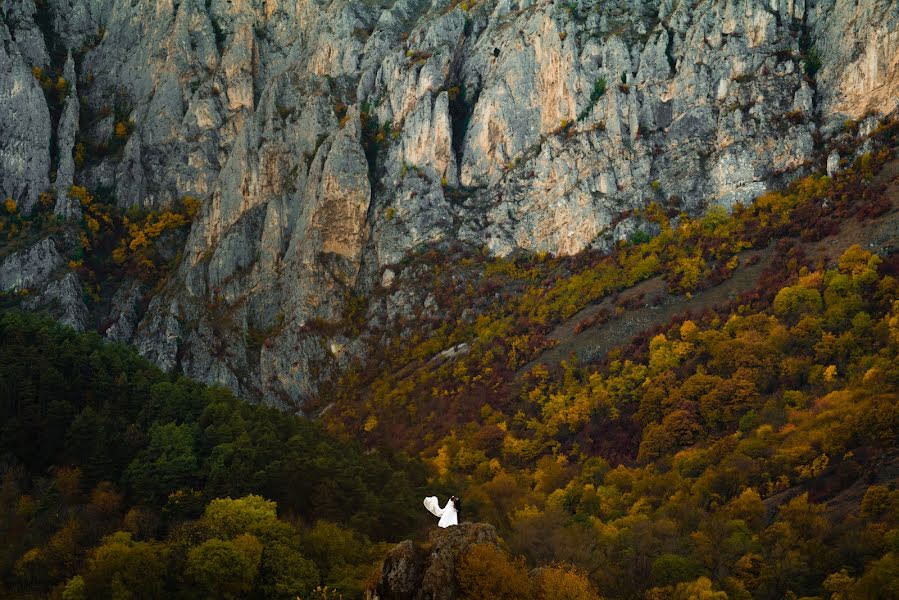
(448,514)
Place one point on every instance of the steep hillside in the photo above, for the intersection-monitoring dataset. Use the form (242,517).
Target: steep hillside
(726,425)
(324,140)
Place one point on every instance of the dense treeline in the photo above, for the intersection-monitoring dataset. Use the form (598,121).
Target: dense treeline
(110,470)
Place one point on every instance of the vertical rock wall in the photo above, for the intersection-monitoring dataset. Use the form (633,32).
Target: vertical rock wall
(328,139)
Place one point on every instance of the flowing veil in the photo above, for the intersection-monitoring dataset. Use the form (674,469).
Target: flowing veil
(433,505)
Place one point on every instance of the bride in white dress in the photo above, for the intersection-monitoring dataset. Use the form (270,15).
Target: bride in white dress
(449,514)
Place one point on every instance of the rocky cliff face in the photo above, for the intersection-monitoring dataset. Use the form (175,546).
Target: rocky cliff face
(329,138)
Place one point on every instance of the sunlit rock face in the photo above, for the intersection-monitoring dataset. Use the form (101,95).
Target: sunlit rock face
(328,139)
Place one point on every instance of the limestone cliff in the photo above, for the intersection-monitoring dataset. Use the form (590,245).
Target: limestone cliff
(329,138)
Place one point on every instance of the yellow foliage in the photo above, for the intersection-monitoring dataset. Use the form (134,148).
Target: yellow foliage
(191,206)
(687,330)
(485,573)
(690,270)
(442,461)
(563,583)
(120,254)
(80,154)
(812,280)
(893,322)
(81,194)
(701,589)
(138,240)
(92,224)
(10,205)
(814,468)
(121,130)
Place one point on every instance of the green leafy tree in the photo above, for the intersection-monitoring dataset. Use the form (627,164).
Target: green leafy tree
(225,569)
(167,464)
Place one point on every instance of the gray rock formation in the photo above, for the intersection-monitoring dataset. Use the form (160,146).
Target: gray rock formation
(62,299)
(327,140)
(38,274)
(124,314)
(411,572)
(24,129)
(30,268)
(66,207)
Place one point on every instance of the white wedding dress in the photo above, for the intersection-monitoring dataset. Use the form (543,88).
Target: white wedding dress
(448,514)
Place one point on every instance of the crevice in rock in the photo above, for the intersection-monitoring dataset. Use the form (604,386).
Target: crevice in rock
(669,51)
(220,36)
(57,52)
(810,63)
(461,109)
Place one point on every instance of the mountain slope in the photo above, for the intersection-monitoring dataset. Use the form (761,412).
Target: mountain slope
(744,447)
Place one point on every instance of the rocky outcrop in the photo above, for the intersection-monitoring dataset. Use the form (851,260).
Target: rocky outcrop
(858,44)
(37,274)
(24,129)
(62,299)
(328,140)
(66,207)
(125,312)
(30,268)
(413,572)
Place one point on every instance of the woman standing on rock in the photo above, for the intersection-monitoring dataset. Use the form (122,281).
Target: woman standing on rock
(449,514)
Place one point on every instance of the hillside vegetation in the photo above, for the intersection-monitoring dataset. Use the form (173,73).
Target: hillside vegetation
(119,481)
(746,450)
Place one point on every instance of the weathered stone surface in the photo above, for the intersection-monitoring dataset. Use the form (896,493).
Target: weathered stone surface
(123,316)
(63,300)
(833,163)
(401,573)
(858,43)
(412,572)
(30,268)
(327,140)
(24,129)
(65,144)
(21,20)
